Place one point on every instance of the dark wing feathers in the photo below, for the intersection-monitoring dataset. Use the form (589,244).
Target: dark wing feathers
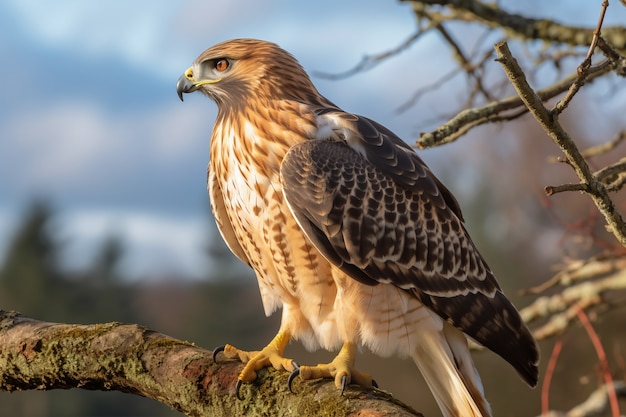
(494,323)
(397,159)
(393,156)
(381,216)
(393,233)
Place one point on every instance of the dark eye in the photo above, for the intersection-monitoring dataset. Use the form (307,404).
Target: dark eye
(221,64)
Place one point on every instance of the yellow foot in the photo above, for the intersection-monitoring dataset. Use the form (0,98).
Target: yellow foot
(270,355)
(341,369)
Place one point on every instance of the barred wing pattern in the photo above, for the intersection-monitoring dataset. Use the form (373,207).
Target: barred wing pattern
(372,207)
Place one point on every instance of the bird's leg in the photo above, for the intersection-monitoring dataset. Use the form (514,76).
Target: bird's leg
(341,369)
(270,355)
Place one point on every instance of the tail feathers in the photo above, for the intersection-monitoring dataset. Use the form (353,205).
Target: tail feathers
(445,362)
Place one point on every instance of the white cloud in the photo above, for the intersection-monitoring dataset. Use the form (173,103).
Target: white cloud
(130,29)
(160,35)
(59,142)
(68,145)
(71,144)
(157,246)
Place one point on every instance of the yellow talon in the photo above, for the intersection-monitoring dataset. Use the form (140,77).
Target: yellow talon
(270,355)
(341,369)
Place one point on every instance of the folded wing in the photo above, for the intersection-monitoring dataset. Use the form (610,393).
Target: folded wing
(372,207)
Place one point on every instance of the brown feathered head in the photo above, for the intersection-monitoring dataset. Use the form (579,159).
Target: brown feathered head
(238,71)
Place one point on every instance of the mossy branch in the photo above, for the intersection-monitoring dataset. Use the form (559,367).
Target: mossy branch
(491,15)
(134,359)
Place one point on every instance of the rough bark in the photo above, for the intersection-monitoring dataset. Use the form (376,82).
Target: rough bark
(134,359)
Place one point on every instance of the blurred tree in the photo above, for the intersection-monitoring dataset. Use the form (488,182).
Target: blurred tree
(224,265)
(106,264)
(30,277)
(32,281)
(101,292)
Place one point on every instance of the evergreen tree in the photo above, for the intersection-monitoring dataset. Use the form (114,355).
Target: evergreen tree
(30,276)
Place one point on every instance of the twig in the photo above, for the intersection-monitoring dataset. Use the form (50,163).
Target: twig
(587,295)
(465,64)
(614,175)
(594,41)
(604,147)
(430,87)
(618,60)
(579,270)
(559,307)
(467,119)
(549,122)
(370,61)
(554,189)
(558,323)
(604,365)
(547,380)
(617,184)
(583,68)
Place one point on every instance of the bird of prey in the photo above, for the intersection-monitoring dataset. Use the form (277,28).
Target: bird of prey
(348,231)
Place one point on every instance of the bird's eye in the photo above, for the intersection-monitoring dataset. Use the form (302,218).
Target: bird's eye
(221,64)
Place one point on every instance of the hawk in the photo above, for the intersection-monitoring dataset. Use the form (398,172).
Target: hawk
(348,231)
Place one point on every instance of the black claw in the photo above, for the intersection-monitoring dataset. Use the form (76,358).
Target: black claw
(344,379)
(374,384)
(237,388)
(292,376)
(218,350)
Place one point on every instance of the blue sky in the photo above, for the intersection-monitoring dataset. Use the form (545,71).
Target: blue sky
(89,117)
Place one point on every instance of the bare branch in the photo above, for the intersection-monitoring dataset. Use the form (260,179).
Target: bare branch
(594,41)
(560,308)
(554,189)
(618,60)
(467,119)
(549,122)
(578,270)
(605,147)
(583,68)
(431,87)
(466,65)
(370,61)
(613,176)
(527,28)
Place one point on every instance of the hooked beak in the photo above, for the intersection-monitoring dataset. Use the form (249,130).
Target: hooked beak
(186,84)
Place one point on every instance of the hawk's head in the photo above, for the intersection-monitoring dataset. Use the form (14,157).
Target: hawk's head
(236,72)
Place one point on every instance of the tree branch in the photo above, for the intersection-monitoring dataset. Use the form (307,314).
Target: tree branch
(554,189)
(604,147)
(549,121)
(527,28)
(598,278)
(134,359)
(469,118)
(614,175)
(370,61)
(582,269)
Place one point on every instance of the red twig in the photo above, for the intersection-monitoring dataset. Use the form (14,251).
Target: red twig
(545,388)
(606,374)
